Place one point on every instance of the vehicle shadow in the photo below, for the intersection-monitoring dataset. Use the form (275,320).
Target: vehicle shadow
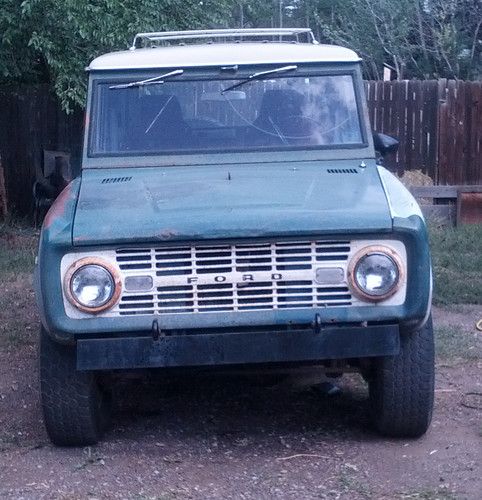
(240,407)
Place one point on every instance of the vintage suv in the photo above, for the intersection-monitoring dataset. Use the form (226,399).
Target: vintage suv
(231,211)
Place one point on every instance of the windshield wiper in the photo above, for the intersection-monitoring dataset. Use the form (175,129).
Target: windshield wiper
(259,76)
(150,81)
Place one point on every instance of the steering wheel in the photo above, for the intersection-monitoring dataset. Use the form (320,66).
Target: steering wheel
(297,127)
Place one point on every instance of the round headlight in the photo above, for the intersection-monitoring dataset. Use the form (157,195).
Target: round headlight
(91,285)
(376,275)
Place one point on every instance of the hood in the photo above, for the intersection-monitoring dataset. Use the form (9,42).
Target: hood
(126,205)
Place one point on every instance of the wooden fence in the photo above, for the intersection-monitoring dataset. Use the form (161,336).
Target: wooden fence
(438,123)
(32,121)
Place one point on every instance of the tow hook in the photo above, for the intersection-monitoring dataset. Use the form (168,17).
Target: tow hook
(155,330)
(317,324)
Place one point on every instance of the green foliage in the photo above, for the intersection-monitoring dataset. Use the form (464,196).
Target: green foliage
(17,253)
(18,61)
(52,41)
(454,342)
(419,38)
(457,265)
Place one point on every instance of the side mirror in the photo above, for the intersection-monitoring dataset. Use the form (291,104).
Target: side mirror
(384,144)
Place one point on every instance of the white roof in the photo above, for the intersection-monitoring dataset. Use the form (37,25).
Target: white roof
(219,54)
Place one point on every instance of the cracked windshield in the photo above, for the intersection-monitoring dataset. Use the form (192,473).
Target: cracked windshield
(289,112)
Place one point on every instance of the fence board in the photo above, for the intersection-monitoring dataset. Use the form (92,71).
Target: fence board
(451,166)
(459,133)
(442,132)
(387,105)
(379,104)
(430,126)
(399,112)
(474,104)
(410,110)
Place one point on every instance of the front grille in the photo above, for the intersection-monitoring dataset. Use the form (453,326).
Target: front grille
(227,278)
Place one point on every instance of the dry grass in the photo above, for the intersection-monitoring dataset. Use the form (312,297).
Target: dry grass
(411,178)
(18,247)
(452,341)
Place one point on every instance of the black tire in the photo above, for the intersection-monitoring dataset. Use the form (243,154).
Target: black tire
(402,387)
(76,409)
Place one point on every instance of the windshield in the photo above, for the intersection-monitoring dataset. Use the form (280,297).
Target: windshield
(217,116)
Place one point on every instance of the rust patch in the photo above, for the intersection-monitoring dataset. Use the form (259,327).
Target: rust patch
(469,207)
(81,238)
(167,234)
(58,207)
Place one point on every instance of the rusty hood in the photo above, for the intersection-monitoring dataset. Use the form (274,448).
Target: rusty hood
(162,204)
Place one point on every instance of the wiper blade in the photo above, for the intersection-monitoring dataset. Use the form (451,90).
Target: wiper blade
(150,81)
(259,76)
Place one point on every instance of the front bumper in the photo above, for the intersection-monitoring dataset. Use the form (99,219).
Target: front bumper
(213,349)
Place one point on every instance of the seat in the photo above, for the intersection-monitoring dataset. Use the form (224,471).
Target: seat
(280,119)
(160,124)
(278,104)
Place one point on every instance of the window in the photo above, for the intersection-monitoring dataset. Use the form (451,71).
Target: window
(199,116)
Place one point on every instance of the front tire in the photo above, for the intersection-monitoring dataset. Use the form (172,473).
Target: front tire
(76,408)
(401,387)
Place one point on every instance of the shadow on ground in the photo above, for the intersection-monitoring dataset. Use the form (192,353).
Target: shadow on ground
(240,405)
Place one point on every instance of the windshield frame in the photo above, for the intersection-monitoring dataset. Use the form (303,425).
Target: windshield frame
(363,149)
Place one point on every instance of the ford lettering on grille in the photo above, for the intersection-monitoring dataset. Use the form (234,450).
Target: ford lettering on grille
(227,278)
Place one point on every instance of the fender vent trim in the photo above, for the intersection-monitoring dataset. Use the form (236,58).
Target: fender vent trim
(115,180)
(342,171)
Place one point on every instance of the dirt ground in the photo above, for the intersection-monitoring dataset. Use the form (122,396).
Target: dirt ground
(207,436)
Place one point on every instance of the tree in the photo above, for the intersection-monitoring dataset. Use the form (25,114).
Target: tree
(419,38)
(47,40)
(454,34)
(52,41)
(18,60)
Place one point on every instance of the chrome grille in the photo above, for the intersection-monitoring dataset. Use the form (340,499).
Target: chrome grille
(227,278)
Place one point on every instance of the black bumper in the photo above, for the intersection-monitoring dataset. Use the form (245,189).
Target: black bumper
(237,348)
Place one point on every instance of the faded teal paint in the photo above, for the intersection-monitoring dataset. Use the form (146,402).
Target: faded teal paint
(55,241)
(239,201)
(411,231)
(264,195)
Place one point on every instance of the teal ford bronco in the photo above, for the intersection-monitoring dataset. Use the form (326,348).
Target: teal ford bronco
(231,211)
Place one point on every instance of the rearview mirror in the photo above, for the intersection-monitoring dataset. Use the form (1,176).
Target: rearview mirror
(384,144)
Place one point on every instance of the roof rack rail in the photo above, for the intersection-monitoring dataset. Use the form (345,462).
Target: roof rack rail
(142,38)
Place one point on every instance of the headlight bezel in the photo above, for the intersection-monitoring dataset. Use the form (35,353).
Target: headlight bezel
(370,250)
(92,261)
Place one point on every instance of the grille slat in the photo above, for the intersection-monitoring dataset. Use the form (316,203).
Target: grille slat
(229,278)
(129,267)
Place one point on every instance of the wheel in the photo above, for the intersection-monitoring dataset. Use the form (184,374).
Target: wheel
(76,408)
(401,387)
